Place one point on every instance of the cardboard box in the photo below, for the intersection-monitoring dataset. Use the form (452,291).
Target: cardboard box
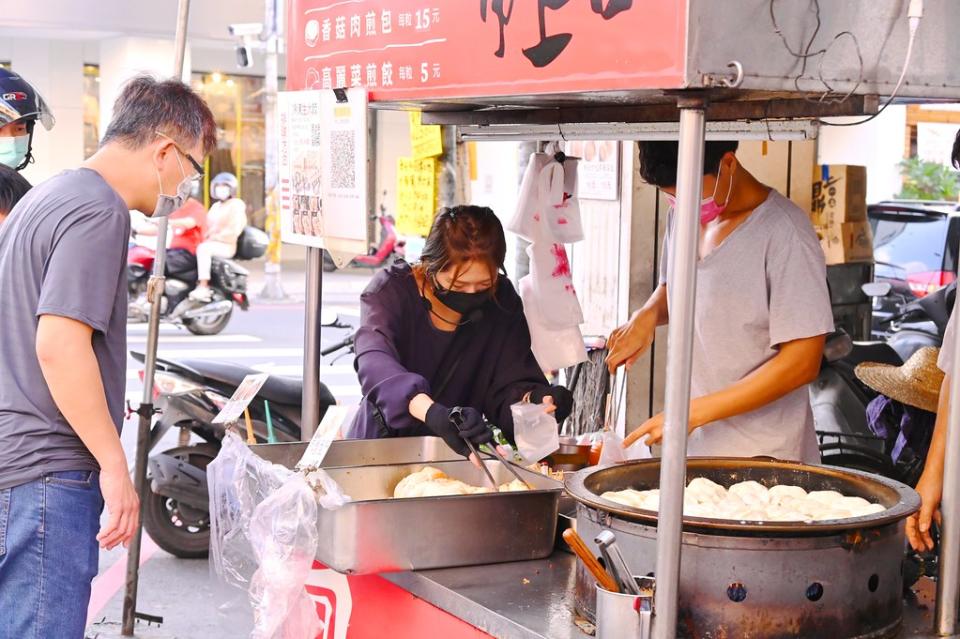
(839,196)
(847,242)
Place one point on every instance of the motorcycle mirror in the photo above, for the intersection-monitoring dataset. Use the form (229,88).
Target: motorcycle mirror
(876,289)
(329,318)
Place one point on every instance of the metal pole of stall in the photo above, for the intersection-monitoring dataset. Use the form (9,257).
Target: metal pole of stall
(146,410)
(310,407)
(948,584)
(681,290)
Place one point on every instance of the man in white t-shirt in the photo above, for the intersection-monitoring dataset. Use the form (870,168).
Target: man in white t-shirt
(762,313)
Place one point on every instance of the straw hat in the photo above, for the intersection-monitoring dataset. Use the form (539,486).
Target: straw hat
(916,383)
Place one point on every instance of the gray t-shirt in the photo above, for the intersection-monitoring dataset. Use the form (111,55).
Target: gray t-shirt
(945,358)
(63,251)
(765,285)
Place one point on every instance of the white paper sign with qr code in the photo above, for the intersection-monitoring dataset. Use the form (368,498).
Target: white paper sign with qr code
(322,170)
(242,397)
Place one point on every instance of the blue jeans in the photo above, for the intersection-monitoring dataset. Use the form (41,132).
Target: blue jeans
(48,555)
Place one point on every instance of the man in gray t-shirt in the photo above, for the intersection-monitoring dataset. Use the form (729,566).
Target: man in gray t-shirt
(762,313)
(63,310)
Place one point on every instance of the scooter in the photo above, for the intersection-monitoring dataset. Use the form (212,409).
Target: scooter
(228,284)
(188,395)
(391,248)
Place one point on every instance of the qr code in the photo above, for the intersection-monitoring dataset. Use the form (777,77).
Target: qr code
(343,148)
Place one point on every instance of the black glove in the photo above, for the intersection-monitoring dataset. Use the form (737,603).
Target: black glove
(562,399)
(473,427)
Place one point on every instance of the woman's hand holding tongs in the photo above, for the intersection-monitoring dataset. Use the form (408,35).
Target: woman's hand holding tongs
(472,427)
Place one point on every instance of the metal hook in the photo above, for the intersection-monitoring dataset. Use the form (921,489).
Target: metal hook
(737,77)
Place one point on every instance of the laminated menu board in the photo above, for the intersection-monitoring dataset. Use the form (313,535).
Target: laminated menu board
(323,169)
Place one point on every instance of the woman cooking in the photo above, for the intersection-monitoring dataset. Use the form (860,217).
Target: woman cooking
(445,333)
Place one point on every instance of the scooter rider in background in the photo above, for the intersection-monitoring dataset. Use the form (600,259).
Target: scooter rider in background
(20,108)
(225,222)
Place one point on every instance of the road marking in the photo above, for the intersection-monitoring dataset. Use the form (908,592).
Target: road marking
(197,339)
(226,354)
(109,582)
(164,328)
(296,370)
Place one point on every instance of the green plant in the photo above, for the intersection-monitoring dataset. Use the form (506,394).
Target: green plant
(923,180)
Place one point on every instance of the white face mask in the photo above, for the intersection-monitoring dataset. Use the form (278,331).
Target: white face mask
(221,192)
(167,204)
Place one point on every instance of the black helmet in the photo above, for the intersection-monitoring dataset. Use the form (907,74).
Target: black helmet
(20,102)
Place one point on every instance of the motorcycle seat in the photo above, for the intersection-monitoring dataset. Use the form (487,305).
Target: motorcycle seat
(277,389)
(876,352)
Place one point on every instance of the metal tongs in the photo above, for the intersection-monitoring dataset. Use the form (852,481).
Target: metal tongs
(456,416)
(616,389)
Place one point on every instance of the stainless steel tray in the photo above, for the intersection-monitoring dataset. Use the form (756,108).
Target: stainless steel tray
(376,533)
(363,452)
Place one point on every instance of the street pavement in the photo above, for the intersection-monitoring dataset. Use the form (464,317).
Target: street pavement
(268,338)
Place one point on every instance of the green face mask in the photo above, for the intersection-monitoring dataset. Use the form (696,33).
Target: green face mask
(13,150)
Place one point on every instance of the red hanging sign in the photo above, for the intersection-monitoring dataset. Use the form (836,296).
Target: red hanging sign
(428,49)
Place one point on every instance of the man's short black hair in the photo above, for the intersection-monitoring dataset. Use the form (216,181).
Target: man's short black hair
(13,186)
(147,106)
(658,160)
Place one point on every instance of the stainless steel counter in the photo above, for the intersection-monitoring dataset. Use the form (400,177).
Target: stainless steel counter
(522,600)
(534,599)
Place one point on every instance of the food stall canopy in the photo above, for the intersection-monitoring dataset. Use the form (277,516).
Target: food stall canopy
(790,59)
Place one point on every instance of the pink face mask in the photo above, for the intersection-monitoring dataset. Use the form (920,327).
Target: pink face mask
(709,209)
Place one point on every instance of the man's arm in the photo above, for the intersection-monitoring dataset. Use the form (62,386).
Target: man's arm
(796,364)
(627,343)
(65,352)
(930,485)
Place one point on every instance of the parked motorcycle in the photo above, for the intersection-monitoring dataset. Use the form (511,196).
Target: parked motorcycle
(228,284)
(839,399)
(390,249)
(189,394)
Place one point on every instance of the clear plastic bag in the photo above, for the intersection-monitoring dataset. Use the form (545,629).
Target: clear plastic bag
(613,451)
(263,540)
(535,432)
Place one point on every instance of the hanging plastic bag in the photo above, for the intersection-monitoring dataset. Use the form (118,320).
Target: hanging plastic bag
(547,206)
(535,432)
(553,287)
(553,348)
(263,540)
(559,205)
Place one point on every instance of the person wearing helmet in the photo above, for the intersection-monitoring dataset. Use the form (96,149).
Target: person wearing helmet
(20,108)
(225,222)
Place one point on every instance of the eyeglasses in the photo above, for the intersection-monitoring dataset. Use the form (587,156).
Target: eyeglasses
(196,165)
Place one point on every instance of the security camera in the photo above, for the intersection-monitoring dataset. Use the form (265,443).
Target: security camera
(244,55)
(246,29)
